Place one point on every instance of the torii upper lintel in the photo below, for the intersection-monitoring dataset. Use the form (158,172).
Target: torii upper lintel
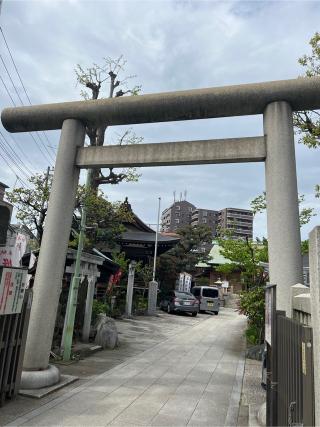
(226,101)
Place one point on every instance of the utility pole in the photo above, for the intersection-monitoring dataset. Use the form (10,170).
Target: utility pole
(74,286)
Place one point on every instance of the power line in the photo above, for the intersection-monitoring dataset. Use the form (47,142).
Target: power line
(13,160)
(24,89)
(47,157)
(40,148)
(9,75)
(16,155)
(22,152)
(14,64)
(9,94)
(14,172)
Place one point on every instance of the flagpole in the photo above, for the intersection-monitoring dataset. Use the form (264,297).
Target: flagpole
(156,244)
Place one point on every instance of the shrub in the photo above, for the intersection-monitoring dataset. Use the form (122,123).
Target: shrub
(99,307)
(252,305)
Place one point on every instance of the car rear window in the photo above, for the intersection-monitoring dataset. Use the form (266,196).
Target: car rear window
(184,295)
(211,293)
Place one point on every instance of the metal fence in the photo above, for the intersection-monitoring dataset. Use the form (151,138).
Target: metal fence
(13,334)
(291,401)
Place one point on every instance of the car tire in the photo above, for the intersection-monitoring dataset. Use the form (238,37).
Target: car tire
(194,314)
(169,309)
(216,313)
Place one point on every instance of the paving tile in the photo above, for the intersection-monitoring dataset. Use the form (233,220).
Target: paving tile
(191,390)
(140,411)
(159,392)
(191,377)
(181,406)
(169,421)
(50,418)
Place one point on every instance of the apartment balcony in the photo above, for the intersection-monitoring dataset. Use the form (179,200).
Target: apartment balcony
(244,216)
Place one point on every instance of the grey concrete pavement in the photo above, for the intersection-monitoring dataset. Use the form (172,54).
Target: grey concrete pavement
(193,376)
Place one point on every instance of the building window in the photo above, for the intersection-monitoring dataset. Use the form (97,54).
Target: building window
(204,220)
(177,221)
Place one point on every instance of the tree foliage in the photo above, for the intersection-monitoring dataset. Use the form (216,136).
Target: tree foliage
(245,255)
(185,255)
(259,204)
(32,203)
(307,123)
(104,218)
(107,81)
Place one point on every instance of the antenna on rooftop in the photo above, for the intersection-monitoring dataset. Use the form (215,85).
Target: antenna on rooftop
(185,194)
(180,196)
(174,196)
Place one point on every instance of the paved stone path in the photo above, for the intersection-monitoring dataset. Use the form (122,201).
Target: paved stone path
(193,378)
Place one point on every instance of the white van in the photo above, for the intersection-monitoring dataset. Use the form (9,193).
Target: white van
(208,297)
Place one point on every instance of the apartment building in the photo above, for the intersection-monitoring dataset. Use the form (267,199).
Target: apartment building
(178,215)
(239,221)
(205,217)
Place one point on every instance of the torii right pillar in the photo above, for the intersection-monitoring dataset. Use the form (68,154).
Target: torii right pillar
(284,241)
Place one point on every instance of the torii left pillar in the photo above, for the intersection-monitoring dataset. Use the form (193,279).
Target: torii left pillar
(37,372)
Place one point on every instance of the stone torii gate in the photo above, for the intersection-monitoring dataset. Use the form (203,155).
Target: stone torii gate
(275,100)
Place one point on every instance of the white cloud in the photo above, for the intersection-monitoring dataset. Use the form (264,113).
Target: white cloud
(169,45)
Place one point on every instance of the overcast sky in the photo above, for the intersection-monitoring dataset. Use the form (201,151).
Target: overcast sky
(168,45)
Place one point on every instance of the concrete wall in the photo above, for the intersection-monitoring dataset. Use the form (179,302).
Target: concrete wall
(301,304)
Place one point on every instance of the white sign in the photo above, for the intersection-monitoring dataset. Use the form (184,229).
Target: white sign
(184,282)
(187,282)
(225,284)
(181,282)
(10,256)
(12,289)
(20,245)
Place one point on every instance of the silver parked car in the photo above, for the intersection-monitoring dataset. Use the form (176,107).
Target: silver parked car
(177,301)
(208,297)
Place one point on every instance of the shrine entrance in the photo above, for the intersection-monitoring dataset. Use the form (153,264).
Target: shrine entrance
(275,146)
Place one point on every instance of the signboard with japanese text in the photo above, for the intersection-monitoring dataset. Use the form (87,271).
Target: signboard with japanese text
(10,256)
(12,288)
(184,282)
(181,282)
(187,282)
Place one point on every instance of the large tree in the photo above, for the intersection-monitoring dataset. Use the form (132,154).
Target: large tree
(107,81)
(307,123)
(185,255)
(104,218)
(245,255)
